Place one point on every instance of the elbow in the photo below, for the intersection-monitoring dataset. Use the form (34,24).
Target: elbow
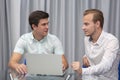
(9,64)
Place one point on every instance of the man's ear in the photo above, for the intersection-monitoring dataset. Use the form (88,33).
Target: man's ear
(33,26)
(98,23)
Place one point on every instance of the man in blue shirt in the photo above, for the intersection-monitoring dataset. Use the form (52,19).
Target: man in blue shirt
(37,41)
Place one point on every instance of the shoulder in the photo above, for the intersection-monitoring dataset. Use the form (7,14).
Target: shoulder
(26,36)
(109,36)
(52,37)
(110,39)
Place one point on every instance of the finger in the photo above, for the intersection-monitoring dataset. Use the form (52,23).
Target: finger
(24,68)
(72,65)
(63,67)
(20,70)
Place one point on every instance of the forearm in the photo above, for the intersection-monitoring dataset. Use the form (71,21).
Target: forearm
(14,60)
(104,66)
(64,62)
(19,68)
(65,65)
(13,65)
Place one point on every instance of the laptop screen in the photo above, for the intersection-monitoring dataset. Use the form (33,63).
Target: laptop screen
(44,64)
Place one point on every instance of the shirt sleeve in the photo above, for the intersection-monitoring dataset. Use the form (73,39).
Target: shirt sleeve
(105,65)
(20,45)
(58,49)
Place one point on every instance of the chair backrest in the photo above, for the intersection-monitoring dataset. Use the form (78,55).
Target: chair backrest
(119,66)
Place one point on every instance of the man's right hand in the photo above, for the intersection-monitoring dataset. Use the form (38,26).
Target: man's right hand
(14,63)
(86,62)
(21,68)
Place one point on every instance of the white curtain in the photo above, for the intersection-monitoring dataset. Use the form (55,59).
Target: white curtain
(65,22)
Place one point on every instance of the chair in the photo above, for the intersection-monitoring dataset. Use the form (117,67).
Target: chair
(10,75)
(119,71)
(119,66)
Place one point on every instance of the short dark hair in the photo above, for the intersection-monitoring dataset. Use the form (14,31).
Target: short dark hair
(98,15)
(35,17)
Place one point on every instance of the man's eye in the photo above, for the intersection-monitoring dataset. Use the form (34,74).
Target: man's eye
(45,24)
(86,24)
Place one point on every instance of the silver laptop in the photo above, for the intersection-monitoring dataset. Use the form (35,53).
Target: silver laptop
(44,64)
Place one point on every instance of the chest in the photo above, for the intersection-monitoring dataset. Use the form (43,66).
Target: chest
(95,53)
(41,48)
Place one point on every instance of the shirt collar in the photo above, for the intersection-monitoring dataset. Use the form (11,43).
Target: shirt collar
(42,40)
(99,41)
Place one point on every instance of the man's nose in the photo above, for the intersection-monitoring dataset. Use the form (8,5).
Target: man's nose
(83,27)
(46,25)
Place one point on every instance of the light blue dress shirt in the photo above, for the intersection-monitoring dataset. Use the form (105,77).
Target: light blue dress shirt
(48,45)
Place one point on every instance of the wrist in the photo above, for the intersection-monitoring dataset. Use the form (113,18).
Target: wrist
(79,71)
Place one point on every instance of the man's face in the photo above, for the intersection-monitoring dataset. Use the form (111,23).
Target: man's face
(42,28)
(89,27)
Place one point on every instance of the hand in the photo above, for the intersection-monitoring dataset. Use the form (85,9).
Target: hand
(63,68)
(86,62)
(21,69)
(76,67)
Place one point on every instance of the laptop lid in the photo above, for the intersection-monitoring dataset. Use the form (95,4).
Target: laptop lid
(44,64)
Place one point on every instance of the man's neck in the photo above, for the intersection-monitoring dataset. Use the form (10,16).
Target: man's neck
(37,37)
(96,36)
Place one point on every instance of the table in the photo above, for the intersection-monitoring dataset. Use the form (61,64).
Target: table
(15,76)
(73,76)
